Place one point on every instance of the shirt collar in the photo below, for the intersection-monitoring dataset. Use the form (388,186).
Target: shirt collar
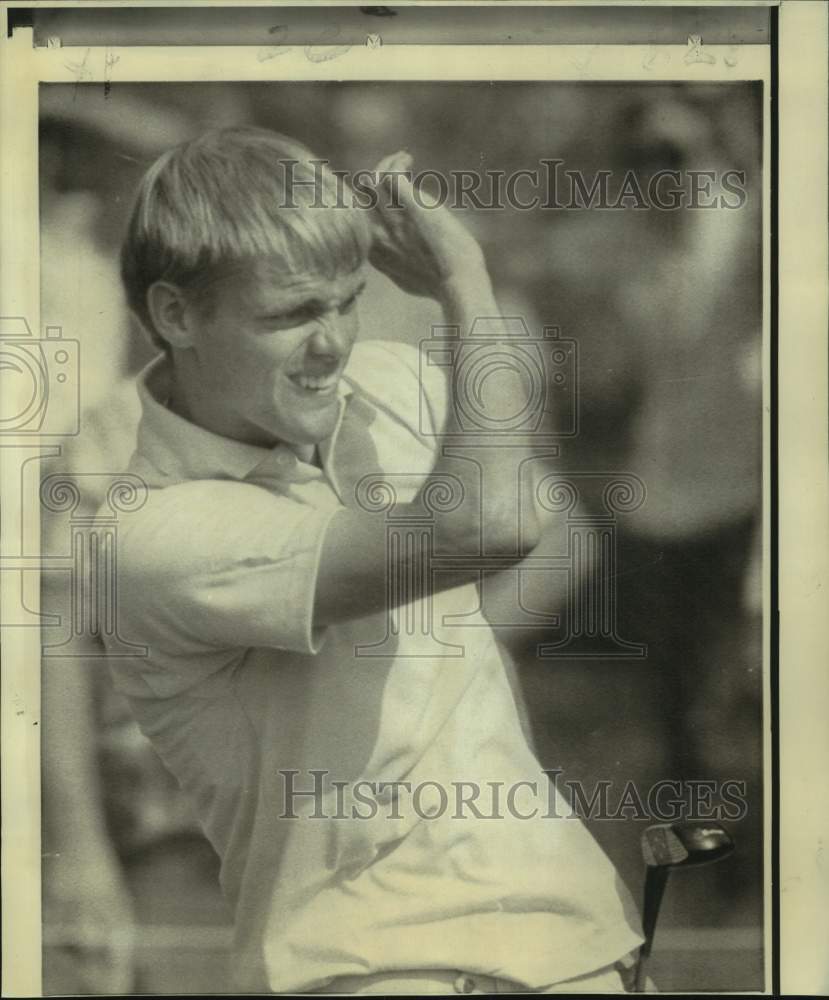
(182,449)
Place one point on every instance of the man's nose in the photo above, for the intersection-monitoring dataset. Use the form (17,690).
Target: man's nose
(329,337)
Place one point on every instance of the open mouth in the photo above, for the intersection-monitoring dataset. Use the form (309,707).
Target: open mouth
(319,384)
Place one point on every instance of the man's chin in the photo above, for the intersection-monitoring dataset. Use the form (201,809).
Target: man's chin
(312,432)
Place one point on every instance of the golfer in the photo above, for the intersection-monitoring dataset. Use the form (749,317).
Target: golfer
(319,695)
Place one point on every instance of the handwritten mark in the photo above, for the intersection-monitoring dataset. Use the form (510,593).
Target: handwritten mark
(324,53)
(654,57)
(280,34)
(732,57)
(272,51)
(322,50)
(81,70)
(583,62)
(109,61)
(695,53)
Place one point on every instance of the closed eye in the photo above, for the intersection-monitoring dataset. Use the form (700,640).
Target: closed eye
(349,303)
(308,311)
(303,314)
(294,317)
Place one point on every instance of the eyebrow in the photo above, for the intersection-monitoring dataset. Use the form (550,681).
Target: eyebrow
(300,301)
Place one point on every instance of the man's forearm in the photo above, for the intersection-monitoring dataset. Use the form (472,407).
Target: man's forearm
(433,255)
(72,798)
(468,295)
(467,298)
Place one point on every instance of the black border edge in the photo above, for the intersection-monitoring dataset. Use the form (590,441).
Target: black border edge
(774,540)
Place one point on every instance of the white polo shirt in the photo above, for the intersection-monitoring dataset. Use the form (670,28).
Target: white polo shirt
(248,705)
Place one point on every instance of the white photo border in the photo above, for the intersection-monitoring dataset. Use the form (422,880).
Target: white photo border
(804,690)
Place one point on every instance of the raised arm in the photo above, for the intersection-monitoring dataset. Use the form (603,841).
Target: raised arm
(427,251)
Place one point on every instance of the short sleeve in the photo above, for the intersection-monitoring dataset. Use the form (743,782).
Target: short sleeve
(215,564)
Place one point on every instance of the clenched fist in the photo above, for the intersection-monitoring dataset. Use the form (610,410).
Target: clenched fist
(423,248)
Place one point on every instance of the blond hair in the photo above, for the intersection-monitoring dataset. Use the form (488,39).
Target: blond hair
(234,196)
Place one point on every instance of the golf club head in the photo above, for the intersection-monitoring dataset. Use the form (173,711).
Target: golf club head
(685,845)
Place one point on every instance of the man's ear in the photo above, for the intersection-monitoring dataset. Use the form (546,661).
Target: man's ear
(171,314)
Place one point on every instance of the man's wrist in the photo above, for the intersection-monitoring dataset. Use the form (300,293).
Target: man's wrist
(467,293)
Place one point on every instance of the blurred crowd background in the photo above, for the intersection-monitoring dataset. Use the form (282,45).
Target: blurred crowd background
(666,310)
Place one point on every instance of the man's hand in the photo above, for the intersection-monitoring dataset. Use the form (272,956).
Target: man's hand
(88,922)
(424,250)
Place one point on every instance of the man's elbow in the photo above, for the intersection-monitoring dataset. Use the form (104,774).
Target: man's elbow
(502,538)
(507,542)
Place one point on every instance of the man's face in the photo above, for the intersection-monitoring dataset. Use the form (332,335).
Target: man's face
(270,349)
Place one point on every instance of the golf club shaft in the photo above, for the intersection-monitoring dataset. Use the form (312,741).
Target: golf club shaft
(656,878)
